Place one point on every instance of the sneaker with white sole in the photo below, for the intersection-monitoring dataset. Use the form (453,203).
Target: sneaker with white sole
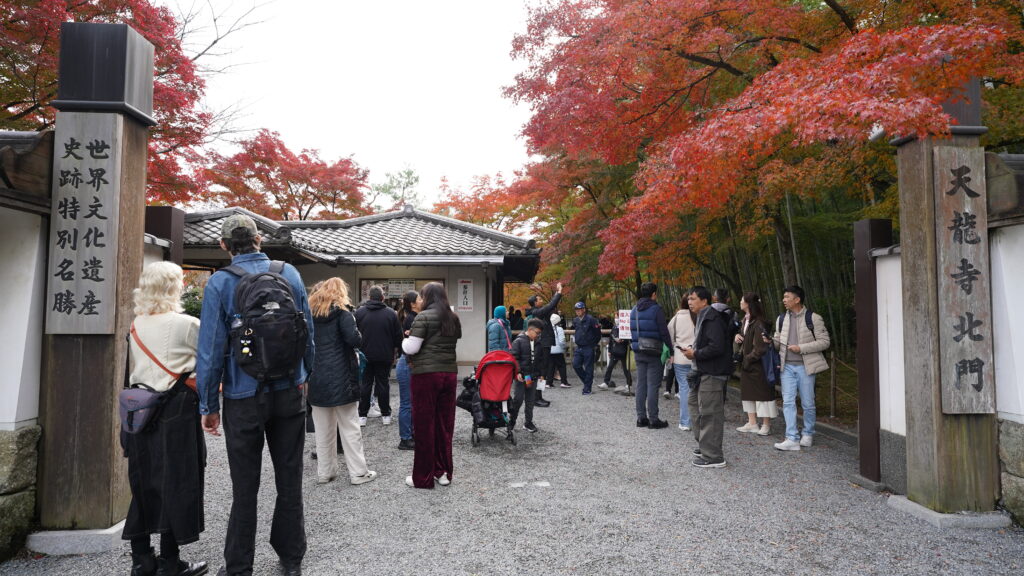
(667,395)
(807,441)
(362,420)
(788,445)
(386,420)
(748,427)
(443,480)
(374,412)
(684,428)
(765,430)
(603,386)
(368,477)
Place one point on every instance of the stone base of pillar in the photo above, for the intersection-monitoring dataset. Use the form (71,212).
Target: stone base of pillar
(72,542)
(973,520)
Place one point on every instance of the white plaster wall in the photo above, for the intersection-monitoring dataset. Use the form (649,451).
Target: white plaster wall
(152,253)
(1007,255)
(22,285)
(892,392)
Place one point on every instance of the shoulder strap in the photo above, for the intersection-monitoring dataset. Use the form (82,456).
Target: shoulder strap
(138,341)
(809,320)
(781,318)
(276,266)
(236,270)
(505,332)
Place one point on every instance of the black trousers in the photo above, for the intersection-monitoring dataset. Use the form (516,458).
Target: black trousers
(279,419)
(556,362)
(375,379)
(611,368)
(520,393)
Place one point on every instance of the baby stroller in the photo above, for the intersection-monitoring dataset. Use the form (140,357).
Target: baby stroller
(487,394)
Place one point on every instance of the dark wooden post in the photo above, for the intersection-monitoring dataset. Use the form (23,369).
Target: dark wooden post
(952,460)
(168,222)
(105,94)
(868,235)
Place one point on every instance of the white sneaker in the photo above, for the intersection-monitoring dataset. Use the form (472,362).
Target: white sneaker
(765,430)
(386,420)
(370,476)
(684,428)
(362,420)
(748,427)
(374,412)
(788,445)
(443,480)
(806,441)
(408,482)
(667,395)
(603,386)
(677,394)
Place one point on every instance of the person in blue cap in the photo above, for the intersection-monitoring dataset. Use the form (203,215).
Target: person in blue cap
(587,337)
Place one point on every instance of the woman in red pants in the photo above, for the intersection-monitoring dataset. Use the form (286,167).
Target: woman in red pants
(430,352)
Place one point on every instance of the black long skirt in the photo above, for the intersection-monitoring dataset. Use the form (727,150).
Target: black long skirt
(166,466)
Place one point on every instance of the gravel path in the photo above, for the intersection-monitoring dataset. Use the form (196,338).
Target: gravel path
(600,497)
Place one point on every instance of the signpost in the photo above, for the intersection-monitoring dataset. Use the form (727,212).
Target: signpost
(464,297)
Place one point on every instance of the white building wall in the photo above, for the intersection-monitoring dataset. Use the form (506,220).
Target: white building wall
(1007,254)
(23,239)
(891,389)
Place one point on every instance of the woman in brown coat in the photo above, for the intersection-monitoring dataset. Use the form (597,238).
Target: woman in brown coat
(757,395)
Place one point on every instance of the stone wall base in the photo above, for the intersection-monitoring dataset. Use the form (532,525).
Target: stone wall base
(1011,459)
(19,457)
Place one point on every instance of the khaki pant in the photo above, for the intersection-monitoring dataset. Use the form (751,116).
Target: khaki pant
(708,412)
(344,419)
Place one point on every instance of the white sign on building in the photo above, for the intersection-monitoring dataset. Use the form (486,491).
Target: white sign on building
(464,296)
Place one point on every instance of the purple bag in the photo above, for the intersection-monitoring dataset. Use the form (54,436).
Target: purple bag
(138,406)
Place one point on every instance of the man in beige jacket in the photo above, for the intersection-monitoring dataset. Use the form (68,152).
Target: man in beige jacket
(801,345)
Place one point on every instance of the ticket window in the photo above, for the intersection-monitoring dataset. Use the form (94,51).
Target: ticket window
(394,289)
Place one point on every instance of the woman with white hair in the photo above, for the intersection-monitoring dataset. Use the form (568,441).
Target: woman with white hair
(166,460)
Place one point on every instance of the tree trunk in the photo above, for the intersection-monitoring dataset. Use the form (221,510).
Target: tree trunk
(785,250)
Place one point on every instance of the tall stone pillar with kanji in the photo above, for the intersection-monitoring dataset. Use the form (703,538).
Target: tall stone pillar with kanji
(952,453)
(104,103)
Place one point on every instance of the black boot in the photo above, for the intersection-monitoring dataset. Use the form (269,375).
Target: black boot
(144,564)
(176,567)
(540,402)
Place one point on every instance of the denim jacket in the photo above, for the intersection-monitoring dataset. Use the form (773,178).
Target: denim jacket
(214,364)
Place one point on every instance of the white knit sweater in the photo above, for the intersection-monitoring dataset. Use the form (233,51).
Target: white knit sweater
(172,338)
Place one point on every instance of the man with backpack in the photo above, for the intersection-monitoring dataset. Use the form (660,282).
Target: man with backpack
(382,336)
(256,341)
(801,338)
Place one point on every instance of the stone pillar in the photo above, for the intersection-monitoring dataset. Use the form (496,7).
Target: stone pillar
(952,457)
(105,93)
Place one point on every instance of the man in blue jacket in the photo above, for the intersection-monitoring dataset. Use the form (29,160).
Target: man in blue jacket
(277,415)
(587,337)
(649,332)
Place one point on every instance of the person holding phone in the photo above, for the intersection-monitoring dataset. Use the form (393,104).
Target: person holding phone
(681,327)
(757,395)
(524,349)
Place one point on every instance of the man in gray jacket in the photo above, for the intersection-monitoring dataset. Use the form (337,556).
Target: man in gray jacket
(801,342)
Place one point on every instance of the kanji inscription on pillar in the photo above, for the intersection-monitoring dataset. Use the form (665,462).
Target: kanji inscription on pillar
(965,301)
(81,296)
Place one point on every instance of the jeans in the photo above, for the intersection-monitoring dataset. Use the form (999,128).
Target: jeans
(707,405)
(404,399)
(796,380)
(375,380)
(433,414)
(277,417)
(648,380)
(583,364)
(681,371)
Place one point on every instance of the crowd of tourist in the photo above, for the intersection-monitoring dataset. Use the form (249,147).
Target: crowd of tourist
(263,350)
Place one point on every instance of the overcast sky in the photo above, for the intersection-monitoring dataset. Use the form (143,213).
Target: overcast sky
(393,83)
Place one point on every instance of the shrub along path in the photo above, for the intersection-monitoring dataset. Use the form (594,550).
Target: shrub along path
(592,494)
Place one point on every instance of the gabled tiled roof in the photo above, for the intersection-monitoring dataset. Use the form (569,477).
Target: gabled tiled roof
(406,232)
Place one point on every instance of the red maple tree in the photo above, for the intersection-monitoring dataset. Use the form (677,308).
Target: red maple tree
(268,178)
(725,106)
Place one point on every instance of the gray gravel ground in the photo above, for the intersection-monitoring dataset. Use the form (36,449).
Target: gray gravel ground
(621,500)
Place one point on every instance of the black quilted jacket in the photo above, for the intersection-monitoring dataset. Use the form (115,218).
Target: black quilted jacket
(335,379)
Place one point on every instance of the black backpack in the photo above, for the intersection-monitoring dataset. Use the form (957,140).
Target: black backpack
(268,331)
